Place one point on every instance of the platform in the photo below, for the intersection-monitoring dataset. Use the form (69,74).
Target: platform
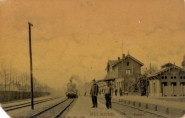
(161,105)
(152,100)
(82,109)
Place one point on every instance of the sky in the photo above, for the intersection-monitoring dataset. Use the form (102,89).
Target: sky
(78,37)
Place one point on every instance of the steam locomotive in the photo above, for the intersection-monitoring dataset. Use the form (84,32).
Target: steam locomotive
(71,92)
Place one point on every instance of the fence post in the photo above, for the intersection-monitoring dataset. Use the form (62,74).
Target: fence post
(167,110)
(139,104)
(134,103)
(146,106)
(155,108)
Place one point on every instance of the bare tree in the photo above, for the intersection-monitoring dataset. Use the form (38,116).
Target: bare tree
(151,69)
(4,75)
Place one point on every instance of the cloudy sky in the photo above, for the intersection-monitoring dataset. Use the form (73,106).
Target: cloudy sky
(77,37)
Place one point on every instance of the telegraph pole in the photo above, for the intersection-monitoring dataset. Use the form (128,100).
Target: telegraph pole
(31,73)
(123,79)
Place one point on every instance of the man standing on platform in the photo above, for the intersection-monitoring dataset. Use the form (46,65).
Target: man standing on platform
(120,91)
(116,92)
(108,95)
(94,94)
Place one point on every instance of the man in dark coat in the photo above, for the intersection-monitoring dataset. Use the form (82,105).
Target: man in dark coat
(120,91)
(108,95)
(94,94)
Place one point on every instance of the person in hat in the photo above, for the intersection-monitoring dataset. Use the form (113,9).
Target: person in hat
(94,93)
(120,91)
(108,95)
(116,92)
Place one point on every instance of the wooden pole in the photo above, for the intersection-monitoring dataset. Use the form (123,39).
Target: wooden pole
(31,73)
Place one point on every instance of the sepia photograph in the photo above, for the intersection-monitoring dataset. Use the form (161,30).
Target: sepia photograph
(92,58)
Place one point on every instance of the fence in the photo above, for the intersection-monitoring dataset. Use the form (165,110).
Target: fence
(6,96)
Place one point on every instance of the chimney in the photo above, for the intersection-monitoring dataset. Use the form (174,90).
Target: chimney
(123,56)
(118,58)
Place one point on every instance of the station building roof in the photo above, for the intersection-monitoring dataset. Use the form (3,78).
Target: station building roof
(128,56)
(165,67)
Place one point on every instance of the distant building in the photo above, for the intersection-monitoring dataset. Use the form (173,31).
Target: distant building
(125,72)
(168,81)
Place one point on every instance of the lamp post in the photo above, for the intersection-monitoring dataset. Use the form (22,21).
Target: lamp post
(31,73)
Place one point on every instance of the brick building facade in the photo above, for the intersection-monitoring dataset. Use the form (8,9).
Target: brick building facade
(124,70)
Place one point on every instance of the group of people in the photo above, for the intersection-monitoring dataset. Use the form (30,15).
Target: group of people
(94,93)
(120,92)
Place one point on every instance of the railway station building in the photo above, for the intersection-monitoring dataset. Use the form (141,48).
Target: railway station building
(168,81)
(125,71)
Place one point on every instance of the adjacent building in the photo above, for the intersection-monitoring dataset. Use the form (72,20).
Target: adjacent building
(168,81)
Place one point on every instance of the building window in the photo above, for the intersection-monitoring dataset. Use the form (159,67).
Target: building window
(182,83)
(128,63)
(171,77)
(162,77)
(127,72)
(174,83)
(165,77)
(181,77)
(165,83)
(174,77)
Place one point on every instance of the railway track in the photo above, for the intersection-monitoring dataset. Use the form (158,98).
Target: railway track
(54,111)
(131,111)
(26,104)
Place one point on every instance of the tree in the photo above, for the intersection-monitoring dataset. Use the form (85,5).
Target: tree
(151,69)
(4,74)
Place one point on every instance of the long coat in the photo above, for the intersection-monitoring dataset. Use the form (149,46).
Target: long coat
(94,90)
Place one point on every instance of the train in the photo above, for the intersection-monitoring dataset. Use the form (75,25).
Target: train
(72,91)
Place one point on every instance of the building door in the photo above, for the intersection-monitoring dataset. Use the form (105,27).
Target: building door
(174,87)
(164,84)
(182,86)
